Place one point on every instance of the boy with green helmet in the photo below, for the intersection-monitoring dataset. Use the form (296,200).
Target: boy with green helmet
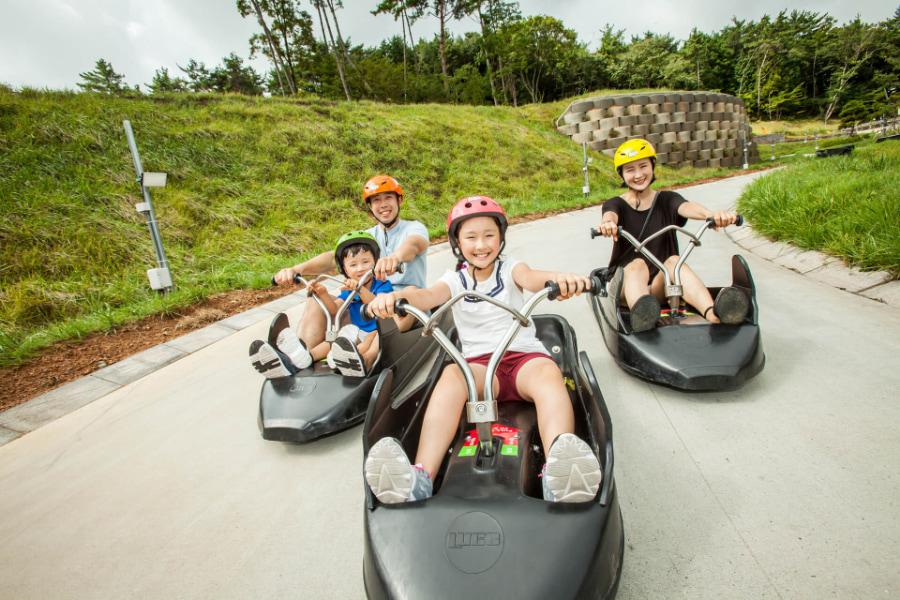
(356,347)
(641,211)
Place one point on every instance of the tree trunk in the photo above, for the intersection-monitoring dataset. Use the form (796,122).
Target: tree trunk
(343,48)
(323,20)
(487,57)
(442,20)
(279,66)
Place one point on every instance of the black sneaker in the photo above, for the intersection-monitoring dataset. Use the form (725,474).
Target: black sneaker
(731,305)
(644,313)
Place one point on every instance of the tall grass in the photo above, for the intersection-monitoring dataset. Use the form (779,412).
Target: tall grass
(847,206)
(254,184)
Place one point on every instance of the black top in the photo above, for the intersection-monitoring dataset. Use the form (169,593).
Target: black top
(664,214)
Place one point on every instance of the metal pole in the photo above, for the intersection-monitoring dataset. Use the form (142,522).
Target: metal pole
(148,209)
(586,188)
(745,144)
(773,150)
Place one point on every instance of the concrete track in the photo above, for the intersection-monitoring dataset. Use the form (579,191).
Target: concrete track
(787,488)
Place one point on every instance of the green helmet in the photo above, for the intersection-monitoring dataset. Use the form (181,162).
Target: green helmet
(351,238)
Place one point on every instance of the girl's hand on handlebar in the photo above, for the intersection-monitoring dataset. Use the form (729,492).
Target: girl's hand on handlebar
(386,266)
(383,305)
(609,229)
(724,218)
(284,277)
(571,284)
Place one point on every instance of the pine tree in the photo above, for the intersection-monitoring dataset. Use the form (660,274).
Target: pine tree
(103,79)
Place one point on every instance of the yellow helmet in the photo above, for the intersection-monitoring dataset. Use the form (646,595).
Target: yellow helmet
(633,150)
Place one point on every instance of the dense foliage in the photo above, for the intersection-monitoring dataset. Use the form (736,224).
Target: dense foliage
(795,64)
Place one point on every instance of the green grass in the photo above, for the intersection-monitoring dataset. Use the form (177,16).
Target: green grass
(254,184)
(845,206)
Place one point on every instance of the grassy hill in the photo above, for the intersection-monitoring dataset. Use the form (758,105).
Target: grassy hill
(254,184)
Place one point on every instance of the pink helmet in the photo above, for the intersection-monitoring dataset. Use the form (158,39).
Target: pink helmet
(473,206)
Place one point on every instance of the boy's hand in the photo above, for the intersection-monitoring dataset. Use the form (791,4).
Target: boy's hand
(383,305)
(284,277)
(571,284)
(724,218)
(318,289)
(609,229)
(386,266)
(350,284)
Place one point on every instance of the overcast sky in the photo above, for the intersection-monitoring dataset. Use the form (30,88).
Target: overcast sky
(47,43)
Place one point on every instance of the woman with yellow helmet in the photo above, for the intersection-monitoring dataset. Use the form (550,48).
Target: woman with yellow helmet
(642,211)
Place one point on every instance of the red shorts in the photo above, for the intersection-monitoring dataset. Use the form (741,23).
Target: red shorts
(507,370)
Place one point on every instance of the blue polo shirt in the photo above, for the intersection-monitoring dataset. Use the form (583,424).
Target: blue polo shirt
(378,287)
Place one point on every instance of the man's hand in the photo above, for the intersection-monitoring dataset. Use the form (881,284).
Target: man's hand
(284,277)
(386,266)
(571,284)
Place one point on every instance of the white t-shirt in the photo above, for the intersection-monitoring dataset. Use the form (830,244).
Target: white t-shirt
(389,240)
(480,324)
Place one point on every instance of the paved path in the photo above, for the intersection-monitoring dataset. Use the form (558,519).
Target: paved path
(787,488)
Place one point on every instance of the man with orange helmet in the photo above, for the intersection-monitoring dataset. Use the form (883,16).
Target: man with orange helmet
(400,242)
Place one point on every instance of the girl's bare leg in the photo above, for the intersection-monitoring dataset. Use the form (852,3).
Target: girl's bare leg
(540,381)
(636,275)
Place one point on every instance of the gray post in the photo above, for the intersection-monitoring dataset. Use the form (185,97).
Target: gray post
(746,146)
(773,149)
(586,188)
(160,279)
(816,138)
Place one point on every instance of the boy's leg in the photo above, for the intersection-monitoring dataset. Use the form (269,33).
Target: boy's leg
(312,324)
(368,349)
(540,381)
(442,415)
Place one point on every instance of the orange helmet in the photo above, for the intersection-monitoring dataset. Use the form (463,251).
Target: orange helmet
(379,184)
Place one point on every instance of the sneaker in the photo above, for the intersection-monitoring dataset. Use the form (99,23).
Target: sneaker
(390,475)
(644,313)
(347,358)
(278,324)
(293,347)
(572,472)
(268,361)
(731,305)
(329,360)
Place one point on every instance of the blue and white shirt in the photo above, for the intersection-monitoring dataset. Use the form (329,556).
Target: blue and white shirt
(391,239)
(480,324)
(378,287)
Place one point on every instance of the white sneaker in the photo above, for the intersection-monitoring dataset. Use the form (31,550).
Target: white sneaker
(349,331)
(294,348)
(347,358)
(390,475)
(572,472)
(267,361)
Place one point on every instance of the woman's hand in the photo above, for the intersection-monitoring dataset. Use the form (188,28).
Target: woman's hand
(724,218)
(609,229)
(383,305)
(571,284)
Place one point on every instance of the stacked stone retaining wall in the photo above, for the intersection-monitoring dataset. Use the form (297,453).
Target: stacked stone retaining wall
(701,129)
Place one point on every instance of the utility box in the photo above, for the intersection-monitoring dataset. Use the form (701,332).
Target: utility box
(160,279)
